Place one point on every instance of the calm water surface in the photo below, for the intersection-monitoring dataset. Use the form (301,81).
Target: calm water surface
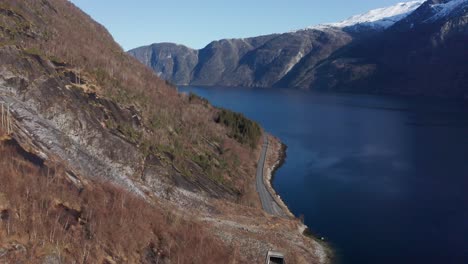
(384,180)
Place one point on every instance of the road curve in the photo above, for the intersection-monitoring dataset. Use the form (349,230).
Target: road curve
(268,203)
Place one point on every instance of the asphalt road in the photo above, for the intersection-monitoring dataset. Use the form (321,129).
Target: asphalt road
(268,203)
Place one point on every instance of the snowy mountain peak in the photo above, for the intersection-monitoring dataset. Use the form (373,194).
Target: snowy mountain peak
(444,9)
(381,17)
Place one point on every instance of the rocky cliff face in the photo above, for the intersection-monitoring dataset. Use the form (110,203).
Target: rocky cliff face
(169,61)
(414,48)
(59,121)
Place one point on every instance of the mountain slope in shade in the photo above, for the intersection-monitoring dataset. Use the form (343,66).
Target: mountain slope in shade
(263,61)
(423,54)
(169,61)
(253,62)
(442,9)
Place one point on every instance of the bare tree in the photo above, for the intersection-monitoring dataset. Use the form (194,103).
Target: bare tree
(3,118)
(6,125)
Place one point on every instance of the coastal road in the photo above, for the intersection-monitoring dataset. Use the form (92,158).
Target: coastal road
(268,203)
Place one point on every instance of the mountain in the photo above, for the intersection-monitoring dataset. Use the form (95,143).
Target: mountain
(410,48)
(380,18)
(104,162)
(262,61)
(423,54)
(172,60)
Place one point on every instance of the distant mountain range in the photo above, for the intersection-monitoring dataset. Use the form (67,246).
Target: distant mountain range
(412,48)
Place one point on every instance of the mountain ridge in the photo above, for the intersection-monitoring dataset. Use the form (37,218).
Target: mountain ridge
(382,17)
(193,63)
(293,59)
(414,57)
(253,64)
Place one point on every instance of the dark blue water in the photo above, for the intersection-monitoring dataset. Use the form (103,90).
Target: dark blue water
(384,180)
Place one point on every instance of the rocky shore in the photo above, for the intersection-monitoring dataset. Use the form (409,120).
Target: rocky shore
(276,157)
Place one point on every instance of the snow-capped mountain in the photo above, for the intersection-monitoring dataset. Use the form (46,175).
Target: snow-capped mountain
(434,11)
(382,17)
(425,53)
(445,8)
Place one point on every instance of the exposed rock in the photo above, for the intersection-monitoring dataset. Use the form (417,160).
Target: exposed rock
(254,62)
(51,259)
(170,61)
(60,122)
(3,252)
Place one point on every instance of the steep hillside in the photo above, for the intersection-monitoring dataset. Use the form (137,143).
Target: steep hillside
(46,218)
(86,101)
(78,101)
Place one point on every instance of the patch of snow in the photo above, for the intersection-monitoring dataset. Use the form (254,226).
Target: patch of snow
(381,17)
(442,10)
(293,62)
(320,27)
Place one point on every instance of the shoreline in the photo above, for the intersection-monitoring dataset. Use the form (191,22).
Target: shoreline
(279,157)
(324,251)
(281,160)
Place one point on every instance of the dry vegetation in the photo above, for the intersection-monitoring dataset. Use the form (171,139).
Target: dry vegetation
(173,124)
(46,218)
(43,215)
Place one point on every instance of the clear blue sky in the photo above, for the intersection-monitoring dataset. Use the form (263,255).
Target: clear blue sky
(195,23)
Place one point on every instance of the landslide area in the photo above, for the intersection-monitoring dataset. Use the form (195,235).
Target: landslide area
(77,97)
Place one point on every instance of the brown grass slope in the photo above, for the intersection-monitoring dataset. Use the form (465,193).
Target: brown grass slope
(44,216)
